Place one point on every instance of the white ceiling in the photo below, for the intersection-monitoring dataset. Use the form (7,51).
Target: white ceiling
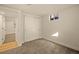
(39,9)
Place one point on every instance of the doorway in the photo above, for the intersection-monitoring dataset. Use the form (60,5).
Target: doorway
(8,33)
(9,29)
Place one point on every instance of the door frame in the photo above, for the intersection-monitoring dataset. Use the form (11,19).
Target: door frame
(3,28)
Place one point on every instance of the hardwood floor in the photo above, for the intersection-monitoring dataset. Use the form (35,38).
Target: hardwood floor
(9,38)
(9,43)
(8,46)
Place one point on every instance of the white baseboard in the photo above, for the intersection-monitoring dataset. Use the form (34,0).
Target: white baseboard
(66,45)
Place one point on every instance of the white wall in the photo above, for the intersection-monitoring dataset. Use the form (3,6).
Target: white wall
(67,26)
(1,29)
(9,25)
(19,29)
(32,27)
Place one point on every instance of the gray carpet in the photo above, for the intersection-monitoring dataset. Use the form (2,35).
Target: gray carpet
(40,46)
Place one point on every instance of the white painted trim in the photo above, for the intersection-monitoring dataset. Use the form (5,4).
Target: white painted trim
(61,43)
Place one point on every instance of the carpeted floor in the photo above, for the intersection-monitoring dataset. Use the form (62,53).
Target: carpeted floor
(40,46)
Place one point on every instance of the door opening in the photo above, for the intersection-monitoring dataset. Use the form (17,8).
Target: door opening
(9,33)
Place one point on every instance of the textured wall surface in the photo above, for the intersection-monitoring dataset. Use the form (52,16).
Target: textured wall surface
(32,27)
(67,26)
(9,25)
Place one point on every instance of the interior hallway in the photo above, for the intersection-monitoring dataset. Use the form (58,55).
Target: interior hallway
(41,46)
